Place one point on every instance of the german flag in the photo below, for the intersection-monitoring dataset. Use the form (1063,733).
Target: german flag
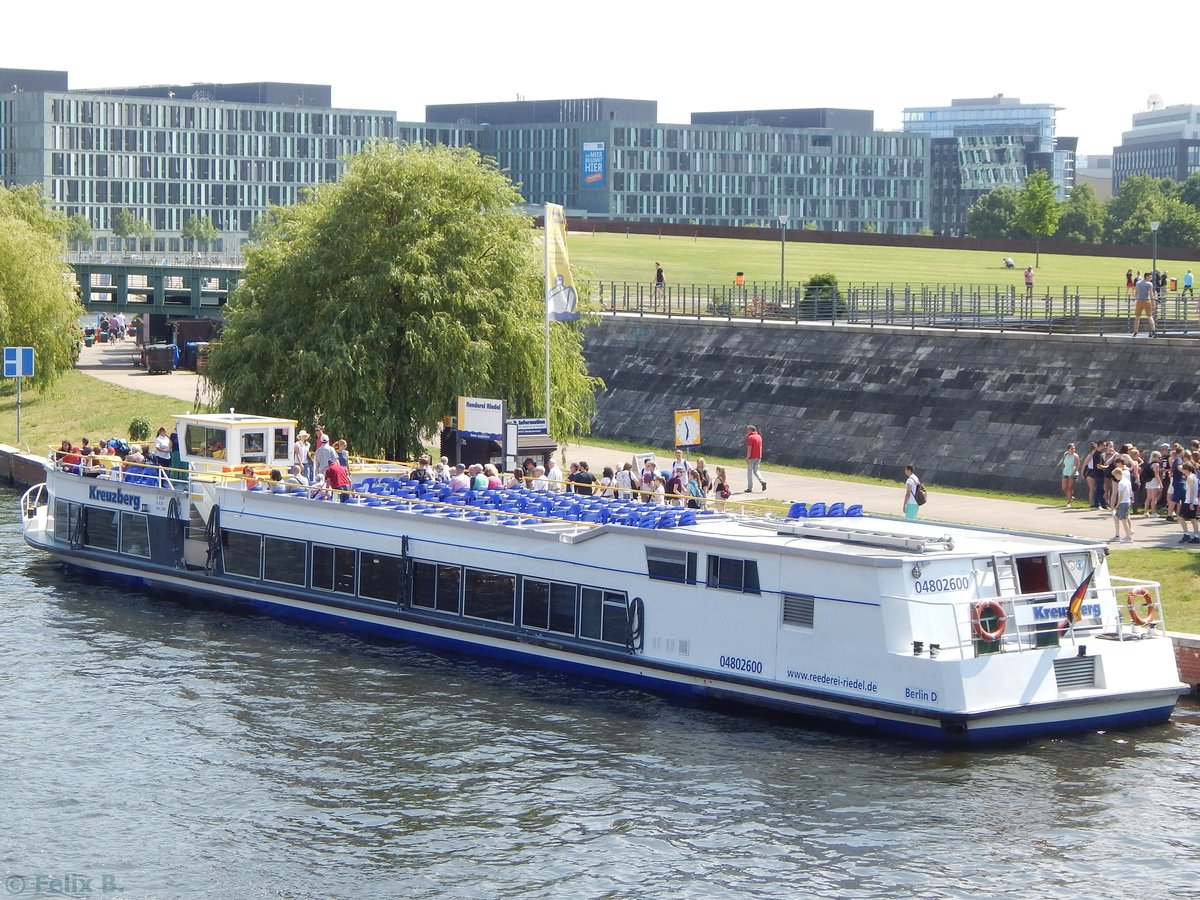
(1076,602)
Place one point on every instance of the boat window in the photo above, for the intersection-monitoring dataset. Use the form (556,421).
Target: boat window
(333,569)
(602,616)
(436,586)
(548,606)
(731,574)
(66,517)
(1033,574)
(668,564)
(489,595)
(242,553)
(281,449)
(798,611)
(254,447)
(100,528)
(284,560)
(135,534)
(201,441)
(379,576)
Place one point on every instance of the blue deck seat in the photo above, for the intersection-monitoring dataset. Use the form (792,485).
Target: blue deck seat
(836,509)
(855,510)
(798,511)
(817,510)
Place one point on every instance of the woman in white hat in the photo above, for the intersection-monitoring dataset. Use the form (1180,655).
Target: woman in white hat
(300,454)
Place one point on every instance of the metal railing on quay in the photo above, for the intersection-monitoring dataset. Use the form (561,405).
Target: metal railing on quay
(1065,310)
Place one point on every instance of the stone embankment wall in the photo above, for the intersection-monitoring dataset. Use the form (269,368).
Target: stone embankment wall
(968,409)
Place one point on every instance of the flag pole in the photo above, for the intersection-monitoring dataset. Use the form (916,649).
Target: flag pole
(546,301)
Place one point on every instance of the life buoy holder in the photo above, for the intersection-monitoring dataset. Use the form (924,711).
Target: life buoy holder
(1147,601)
(993,609)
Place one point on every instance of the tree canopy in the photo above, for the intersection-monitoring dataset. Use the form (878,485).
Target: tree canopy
(379,299)
(993,215)
(38,306)
(201,231)
(1082,220)
(1038,210)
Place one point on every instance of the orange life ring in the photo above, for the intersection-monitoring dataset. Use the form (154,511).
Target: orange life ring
(982,608)
(1131,603)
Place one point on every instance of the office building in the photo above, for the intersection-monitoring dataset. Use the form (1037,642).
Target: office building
(1164,142)
(612,159)
(167,153)
(978,145)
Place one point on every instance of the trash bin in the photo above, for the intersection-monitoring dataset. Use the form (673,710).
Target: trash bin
(159,358)
(1174,282)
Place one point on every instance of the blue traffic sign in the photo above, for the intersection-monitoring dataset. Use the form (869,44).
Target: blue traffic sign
(18,362)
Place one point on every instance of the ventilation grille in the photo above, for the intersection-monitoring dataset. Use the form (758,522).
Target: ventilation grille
(798,611)
(1076,672)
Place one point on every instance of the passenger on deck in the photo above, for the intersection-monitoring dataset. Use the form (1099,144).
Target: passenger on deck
(585,481)
(251,479)
(554,475)
(300,450)
(337,481)
(440,474)
(540,481)
(460,481)
(297,477)
(277,485)
(89,467)
(494,481)
(422,472)
(325,456)
(627,482)
(342,452)
(516,479)
(478,479)
(67,457)
(162,448)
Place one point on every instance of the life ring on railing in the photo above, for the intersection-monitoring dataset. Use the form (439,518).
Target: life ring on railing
(1131,603)
(986,607)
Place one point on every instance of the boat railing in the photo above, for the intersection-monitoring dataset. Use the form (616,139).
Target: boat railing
(1023,622)
(113,468)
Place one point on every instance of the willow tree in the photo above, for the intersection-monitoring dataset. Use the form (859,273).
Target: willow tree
(378,300)
(38,305)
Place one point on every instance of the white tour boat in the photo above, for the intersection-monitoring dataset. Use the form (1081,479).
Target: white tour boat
(913,628)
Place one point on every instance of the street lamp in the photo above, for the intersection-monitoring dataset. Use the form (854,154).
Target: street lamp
(1154,236)
(782,245)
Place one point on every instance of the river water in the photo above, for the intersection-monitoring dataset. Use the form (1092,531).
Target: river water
(153,748)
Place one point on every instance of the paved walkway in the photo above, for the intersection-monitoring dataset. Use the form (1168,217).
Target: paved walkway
(114,363)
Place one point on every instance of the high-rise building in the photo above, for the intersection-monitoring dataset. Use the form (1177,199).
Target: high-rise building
(168,153)
(1163,143)
(982,144)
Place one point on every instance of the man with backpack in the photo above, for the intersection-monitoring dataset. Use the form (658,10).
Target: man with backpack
(914,493)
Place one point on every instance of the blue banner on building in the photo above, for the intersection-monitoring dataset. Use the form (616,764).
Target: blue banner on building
(593,163)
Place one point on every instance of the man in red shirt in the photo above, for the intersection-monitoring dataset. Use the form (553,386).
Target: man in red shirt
(338,479)
(753,458)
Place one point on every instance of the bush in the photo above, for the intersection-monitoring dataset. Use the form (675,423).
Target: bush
(139,429)
(822,299)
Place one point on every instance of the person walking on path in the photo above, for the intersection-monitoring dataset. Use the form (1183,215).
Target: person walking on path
(1029,282)
(1144,296)
(753,458)
(660,281)
(1187,285)
(1070,471)
(911,483)
(1121,504)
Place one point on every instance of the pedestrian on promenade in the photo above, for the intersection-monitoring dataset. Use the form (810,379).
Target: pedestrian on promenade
(1070,471)
(1144,297)
(754,451)
(1029,282)
(911,483)
(1122,501)
(660,281)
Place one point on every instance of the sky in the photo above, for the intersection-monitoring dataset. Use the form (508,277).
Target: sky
(400,56)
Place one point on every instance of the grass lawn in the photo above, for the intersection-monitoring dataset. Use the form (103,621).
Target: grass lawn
(80,406)
(714,261)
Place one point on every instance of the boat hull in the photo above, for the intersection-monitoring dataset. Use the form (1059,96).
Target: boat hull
(805,706)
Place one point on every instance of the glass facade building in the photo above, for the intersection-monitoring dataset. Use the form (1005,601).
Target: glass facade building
(982,144)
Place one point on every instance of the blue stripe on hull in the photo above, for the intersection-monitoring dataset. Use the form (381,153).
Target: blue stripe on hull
(975,732)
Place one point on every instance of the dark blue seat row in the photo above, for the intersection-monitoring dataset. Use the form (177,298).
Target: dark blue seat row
(819,510)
